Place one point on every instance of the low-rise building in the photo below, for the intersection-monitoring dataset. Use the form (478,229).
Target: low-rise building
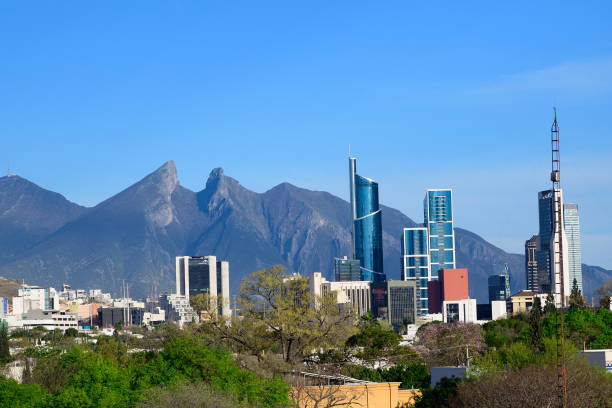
(176,308)
(521,302)
(599,358)
(463,310)
(356,294)
(49,319)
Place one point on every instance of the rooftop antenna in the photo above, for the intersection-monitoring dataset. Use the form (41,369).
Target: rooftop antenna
(557,261)
(349,150)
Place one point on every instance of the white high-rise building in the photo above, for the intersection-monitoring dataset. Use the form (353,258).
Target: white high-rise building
(204,275)
(571,223)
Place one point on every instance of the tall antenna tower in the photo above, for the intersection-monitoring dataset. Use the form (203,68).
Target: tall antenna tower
(557,255)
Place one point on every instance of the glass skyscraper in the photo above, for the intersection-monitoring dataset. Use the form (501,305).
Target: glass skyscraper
(415,264)
(548,282)
(367,225)
(571,224)
(438,208)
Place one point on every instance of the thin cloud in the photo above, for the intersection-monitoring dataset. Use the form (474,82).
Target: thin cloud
(589,77)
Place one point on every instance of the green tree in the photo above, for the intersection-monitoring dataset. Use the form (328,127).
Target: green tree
(549,305)
(576,300)
(26,376)
(535,324)
(374,340)
(299,322)
(5,353)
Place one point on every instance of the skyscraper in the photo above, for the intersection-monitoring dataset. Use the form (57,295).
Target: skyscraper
(549,261)
(531,264)
(415,263)
(204,275)
(438,208)
(571,223)
(367,225)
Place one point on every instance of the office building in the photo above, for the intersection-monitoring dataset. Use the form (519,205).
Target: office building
(395,301)
(550,260)
(571,223)
(438,209)
(204,275)
(367,225)
(353,294)
(415,264)
(452,285)
(499,286)
(35,298)
(531,264)
(347,269)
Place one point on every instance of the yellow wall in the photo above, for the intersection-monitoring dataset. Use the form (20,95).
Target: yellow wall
(379,395)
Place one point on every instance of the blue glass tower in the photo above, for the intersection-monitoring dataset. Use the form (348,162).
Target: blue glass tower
(367,225)
(438,208)
(415,264)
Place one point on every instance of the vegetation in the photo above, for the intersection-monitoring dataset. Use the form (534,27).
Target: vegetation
(283,329)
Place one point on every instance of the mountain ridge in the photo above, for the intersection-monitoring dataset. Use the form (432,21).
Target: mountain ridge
(136,233)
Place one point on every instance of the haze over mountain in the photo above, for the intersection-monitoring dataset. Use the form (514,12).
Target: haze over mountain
(135,235)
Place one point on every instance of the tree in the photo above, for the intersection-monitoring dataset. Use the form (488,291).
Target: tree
(549,306)
(298,321)
(449,343)
(5,353)
(374,340)
(576,300)
(605,293)
(536,386)
(26,376)
(535,324)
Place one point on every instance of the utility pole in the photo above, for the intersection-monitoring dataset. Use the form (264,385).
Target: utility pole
(557,255)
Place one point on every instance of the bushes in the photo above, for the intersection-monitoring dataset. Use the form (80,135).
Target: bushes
(108,377)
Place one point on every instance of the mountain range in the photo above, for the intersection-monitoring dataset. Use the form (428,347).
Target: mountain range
(135,235)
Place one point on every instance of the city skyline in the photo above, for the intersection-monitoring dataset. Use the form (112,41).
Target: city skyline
(97,110)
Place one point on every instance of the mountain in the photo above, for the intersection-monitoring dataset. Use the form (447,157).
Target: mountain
(135,235)
(28,214)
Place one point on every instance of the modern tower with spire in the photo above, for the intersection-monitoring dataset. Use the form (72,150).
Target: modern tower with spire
(367,224)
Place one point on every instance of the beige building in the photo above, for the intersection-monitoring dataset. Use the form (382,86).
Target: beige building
(354,293)
(522,301)
(365,395)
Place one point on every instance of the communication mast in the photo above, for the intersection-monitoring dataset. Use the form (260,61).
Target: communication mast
(557,255)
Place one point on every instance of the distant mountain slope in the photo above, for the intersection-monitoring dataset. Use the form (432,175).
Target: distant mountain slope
(136,234)
(28,214)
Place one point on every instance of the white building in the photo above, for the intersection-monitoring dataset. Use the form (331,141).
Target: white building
(176,308)
(357,294)
(35,298)
(204,275)
(498,309)
(49,319)
(571,223)
(459,310)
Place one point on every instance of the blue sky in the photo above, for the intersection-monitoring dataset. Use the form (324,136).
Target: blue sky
(95,95)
